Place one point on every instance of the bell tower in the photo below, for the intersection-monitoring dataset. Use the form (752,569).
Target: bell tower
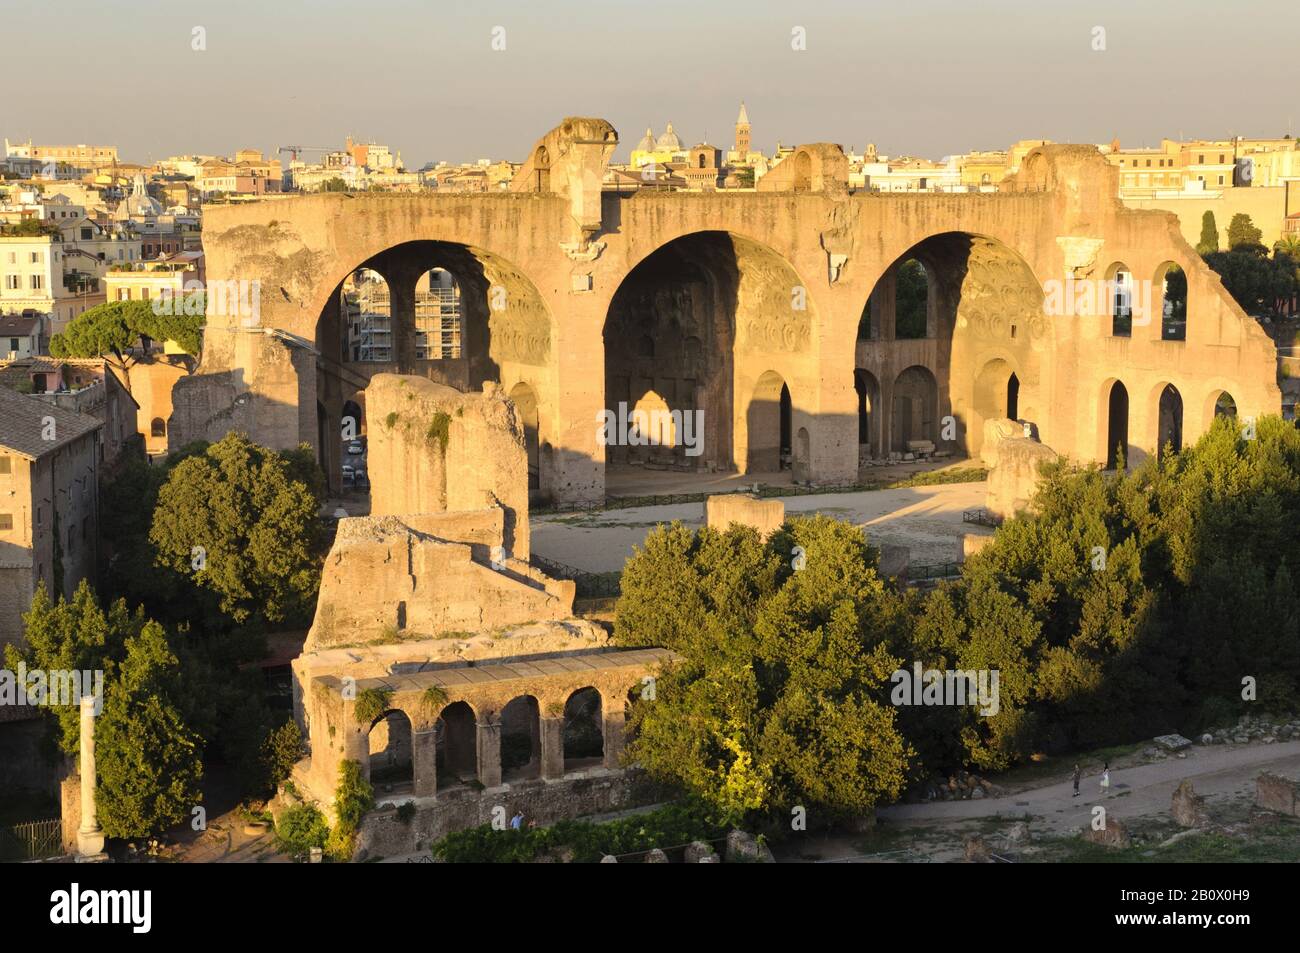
(742,132)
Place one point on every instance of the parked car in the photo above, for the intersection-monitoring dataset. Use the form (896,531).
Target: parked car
(349,475)
(356,447)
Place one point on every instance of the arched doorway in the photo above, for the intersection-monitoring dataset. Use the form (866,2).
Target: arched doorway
(583,730)
(521,748)
(768,423)
(1169,431)
(916,408)
(996,397)
(457,749)
(390,748)
(1117,427)
(868,390)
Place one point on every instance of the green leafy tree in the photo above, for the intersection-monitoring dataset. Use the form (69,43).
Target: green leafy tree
(148,759)
(236,521)
(1242,231)
(282,749)
(111,329)
(75,635)
(779,695)
(335,184)
(1209,234)
(912,295)
(1257,283)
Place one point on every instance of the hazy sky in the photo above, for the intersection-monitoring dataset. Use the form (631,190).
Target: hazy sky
(927,77)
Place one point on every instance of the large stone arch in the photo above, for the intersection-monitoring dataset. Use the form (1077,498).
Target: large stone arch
(984,309)
(698,321)
(506,331)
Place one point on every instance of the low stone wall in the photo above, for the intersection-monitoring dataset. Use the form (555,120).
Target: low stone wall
(1276,793)
(721,511)
(594,792)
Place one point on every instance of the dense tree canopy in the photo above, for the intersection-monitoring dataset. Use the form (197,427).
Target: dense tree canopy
(241,521)
(114,327)
(1119,606)
(779,699)
(1261,285)
(148,759)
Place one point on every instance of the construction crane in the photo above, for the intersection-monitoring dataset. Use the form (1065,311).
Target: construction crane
(294,150)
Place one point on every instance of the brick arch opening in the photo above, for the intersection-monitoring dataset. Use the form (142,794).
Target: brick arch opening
(970,300)
(391,751)
(1117,420)
(454,313)
(456,744)
(1171,281)
(1169,421)
(583,730)
(521,739)
(698,322)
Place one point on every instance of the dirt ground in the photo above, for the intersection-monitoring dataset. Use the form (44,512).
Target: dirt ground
(926,519)
(1140,795)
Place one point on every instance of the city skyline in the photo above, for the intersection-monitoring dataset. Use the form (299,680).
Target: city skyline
(1042,80)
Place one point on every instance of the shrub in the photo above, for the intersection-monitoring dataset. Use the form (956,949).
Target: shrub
(301,828)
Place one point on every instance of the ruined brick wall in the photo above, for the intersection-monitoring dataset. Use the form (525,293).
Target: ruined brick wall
(383,577)
(433,448)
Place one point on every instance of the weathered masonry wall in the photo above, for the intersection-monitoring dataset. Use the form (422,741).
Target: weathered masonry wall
(788,275)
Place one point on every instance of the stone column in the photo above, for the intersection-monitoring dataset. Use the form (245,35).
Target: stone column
(424,761)
(613,729)
(488,743)
(552,748)
(90,837)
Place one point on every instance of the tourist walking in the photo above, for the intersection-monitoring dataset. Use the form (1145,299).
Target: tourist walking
(517,821)
(1105,779)
(1077,775)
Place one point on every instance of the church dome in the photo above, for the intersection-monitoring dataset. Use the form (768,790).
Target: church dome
(140,204)
(647,143)
(669,142)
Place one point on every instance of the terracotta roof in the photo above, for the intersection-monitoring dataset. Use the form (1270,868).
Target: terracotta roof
(17,324)
(23,423)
